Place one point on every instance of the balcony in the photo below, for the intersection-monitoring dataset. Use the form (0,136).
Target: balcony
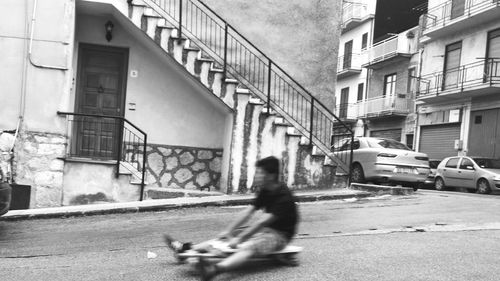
(471,80)
(353,15)
(385,106)
(451,17)
(349,65)
(347,112)
(392,50)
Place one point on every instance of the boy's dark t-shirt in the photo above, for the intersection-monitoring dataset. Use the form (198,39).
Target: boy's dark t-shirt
(281,203)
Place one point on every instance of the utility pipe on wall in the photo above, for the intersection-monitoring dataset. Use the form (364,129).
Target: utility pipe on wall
(33,20)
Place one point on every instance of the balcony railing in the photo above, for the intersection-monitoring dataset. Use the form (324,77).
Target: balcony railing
(482,73)
(352,12)
(103,137)
(351,62)
(391,47)
(449,11)
(347,111)
(385,105)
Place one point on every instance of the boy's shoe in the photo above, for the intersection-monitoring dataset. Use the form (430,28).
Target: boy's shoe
(207,271)
(173,244)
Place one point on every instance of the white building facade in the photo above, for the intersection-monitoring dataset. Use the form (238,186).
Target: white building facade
(458,88)
(374,85)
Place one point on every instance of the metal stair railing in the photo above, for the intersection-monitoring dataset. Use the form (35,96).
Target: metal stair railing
(242,60)
(98,141)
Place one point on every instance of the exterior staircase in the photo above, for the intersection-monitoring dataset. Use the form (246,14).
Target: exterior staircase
(274,115)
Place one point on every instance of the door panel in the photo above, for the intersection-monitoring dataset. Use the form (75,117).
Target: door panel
(451,73)
(344,100)
(493,55)
(347,55)
(483,139)
(450,172)
(100,91)
(465,177)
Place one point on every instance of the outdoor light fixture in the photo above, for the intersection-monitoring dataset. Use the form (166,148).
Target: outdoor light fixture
(109,29)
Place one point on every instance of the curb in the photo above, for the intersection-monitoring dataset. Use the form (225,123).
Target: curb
(382,189)
(175,206)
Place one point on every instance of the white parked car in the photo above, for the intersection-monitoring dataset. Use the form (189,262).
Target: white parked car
(479,174)
(383,161)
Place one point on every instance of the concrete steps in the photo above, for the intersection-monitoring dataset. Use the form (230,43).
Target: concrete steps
(257,132)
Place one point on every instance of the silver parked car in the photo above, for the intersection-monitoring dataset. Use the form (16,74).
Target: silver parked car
(478,174)
(384,161)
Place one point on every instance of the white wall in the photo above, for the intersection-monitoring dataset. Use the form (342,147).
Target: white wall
(356,35)
(45,90)
(353,81)
(171,107)
(474,41)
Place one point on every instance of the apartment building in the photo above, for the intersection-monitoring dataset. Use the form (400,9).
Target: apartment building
(378,56)
(458,89)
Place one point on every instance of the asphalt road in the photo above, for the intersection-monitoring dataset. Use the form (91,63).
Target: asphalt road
(427,236)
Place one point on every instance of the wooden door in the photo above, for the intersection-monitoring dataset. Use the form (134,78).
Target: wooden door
(347,55)
(492,65)
(100,91)
(451,73)
(344,101)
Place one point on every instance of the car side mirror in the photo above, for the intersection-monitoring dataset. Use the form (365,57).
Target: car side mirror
(469,167)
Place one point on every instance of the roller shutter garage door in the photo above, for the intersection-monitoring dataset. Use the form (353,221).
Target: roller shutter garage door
(393,134)
(438,141)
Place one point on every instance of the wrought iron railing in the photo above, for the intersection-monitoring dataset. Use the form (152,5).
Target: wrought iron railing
(250,66)
(105,137)
(353,11)
(484,72)
(444,13)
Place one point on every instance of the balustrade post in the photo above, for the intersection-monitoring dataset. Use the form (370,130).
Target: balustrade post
(143,166)
(119,146)
(225,49)
(269,86)
(350,160)
(462,73)
(180,18)
(492,63)
(311,127)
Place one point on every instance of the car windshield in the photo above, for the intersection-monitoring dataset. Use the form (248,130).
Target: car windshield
(487,163)
(386,143)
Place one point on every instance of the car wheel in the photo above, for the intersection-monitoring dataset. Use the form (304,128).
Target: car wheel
(357,174)
(439,184)
(483,187)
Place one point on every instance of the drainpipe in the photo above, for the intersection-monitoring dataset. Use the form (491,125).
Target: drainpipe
(416,137)
(368,73)
(33,20)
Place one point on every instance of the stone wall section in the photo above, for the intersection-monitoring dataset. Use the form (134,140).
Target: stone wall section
(38,163)
(183,167)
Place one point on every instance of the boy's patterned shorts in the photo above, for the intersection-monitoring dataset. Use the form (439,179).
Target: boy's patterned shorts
(265,242)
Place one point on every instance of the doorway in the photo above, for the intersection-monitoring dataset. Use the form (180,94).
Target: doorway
(101,86)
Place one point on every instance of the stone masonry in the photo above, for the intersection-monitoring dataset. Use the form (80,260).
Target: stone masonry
(184,167)
(38,164)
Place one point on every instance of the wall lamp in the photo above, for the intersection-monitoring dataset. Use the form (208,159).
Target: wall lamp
(109,29)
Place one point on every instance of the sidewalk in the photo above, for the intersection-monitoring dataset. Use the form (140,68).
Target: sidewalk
(177,203)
